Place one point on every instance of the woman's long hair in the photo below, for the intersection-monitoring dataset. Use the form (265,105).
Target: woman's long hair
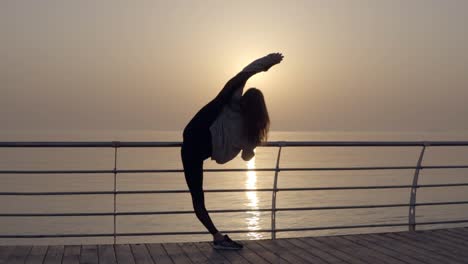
(256,121)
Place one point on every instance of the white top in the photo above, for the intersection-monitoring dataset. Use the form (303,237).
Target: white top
(226,132)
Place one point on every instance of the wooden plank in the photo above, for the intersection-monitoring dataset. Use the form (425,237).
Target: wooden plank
(420,247)
(425,244)
(36,255)
(441,238)
(264,252)
(460,236)
(374,253)
(464,230)
(443,243)
(212,255)
(340,248)
(54,255)
(329,258)
(106,254)
(18,255)
(141,254)
(390,248)
(454,243)
(123,254)
(461,231)
(400,247)
(71,254)
(274,247)
(436,249)
(5,252)
(251,256)
(458,232)
(443,248)
(158,253)
(176,253)
(405,249)
(351,249)
(319,244)
(233,256)
(89,254)
(193,253)
(455,234)
(298,251)
(427,237)
(390,255)
(448,239)
(366,254)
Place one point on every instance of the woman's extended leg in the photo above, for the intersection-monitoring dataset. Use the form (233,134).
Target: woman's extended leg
(199,125)
(195,149)
(193,170)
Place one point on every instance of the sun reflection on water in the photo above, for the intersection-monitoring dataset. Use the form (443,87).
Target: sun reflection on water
(253,219)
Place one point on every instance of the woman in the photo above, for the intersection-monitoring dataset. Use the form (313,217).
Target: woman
(227,125)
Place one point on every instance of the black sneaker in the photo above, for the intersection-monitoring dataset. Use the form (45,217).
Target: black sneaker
(227,243)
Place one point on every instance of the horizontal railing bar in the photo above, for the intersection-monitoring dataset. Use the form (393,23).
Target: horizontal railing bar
(441,203)
(376,168)
(228,170)
(132,192)
(55,171)
(129,144)
(441,185)
(444,222)
(56,235)
(123,171)
(55,214)
(88,144)
(229,210)
(349,168)
(134,213)
(232,231)
(367,206)
(445,167)
(241,190)
(366,226)
(373,187)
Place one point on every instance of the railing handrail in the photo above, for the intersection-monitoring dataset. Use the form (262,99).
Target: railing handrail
(277,169)
(129,144)
(325,188)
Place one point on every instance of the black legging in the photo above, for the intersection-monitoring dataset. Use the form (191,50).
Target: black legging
(197,146)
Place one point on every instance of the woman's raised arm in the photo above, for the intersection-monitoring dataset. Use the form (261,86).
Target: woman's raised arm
(234,84)
(238,81)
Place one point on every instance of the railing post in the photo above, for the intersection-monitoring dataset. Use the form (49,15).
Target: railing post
(412,208)
(115,146)
(275,190)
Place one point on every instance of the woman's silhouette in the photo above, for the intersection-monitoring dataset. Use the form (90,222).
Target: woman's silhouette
(227,125)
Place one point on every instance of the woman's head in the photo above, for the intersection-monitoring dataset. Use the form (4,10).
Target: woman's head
(255,116)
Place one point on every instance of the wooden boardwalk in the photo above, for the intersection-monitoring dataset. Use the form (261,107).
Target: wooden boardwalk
(432,246)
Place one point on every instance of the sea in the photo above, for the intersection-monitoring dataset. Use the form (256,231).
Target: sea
(253,221)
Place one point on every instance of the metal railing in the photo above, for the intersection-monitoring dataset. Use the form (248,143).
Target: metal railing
(274,190)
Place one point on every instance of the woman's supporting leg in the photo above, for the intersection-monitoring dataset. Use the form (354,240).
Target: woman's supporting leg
(193,170)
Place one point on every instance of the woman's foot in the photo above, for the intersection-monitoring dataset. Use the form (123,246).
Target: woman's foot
(226,243)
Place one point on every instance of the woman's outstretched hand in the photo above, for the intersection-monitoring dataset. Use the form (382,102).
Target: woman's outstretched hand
(274,59)
(264,63)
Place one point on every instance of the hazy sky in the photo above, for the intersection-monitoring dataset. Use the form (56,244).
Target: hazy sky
(349,65)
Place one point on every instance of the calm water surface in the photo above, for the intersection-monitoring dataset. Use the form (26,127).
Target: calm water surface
(168,158)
